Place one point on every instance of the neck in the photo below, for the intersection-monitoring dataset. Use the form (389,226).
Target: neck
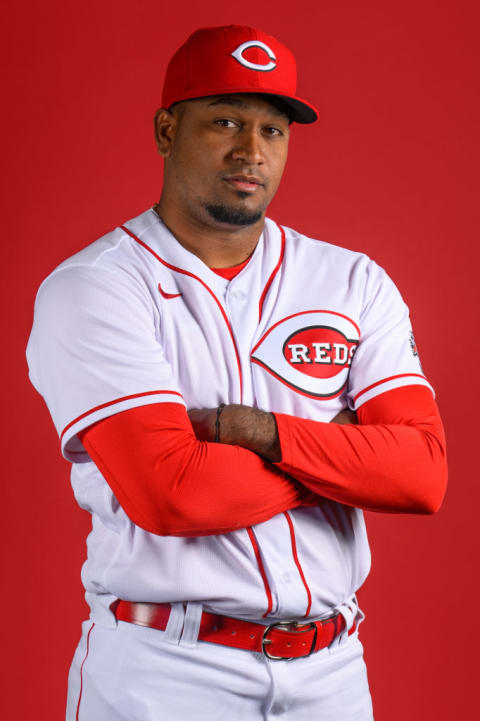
(217,247)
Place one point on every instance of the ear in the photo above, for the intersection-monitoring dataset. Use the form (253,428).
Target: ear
(165,125)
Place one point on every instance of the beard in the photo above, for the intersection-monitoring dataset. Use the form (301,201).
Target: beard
(232,216)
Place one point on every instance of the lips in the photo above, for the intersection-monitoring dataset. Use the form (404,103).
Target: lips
(246,183)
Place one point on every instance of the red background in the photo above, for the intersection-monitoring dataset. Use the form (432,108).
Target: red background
(390,169)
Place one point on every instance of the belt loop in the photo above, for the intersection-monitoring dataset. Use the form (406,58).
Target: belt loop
(350,612)
(191,625)
(173,630)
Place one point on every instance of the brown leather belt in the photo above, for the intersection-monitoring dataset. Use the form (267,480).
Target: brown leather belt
(277,641)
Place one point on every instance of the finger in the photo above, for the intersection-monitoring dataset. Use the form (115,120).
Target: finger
(345,416)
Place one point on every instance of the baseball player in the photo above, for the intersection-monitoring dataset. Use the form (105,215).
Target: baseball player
(205,368)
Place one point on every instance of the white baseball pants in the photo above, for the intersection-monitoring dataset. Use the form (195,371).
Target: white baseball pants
(133,673)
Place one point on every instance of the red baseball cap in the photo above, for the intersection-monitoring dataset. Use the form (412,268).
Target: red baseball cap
(235,59)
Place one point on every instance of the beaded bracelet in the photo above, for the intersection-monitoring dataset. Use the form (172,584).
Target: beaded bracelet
(217,422)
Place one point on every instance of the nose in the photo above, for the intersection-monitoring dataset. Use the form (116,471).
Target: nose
(248,147)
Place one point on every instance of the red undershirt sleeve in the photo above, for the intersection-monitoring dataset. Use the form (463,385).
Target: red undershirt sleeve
(393,462)
(171,484)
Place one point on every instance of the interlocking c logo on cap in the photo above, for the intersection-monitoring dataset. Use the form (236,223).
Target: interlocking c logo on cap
(238,55)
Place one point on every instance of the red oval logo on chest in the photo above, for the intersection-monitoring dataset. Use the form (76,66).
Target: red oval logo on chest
(319,351)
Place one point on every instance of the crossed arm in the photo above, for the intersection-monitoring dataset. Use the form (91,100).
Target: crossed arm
(394,461)
(171,480)
(248,427)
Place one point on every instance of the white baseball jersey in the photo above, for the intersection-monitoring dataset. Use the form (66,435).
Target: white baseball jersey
(306,328)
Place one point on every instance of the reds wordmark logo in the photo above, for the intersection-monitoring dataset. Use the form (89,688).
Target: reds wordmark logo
(310,352)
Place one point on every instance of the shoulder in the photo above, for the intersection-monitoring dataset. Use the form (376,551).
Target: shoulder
(314,254)
(113,260)
(321,250)
(317,262)
(109,280)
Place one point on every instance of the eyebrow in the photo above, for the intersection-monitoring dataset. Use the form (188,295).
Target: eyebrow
(239,103)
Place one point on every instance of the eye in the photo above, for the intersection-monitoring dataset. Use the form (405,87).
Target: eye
(225,123)
(271,131)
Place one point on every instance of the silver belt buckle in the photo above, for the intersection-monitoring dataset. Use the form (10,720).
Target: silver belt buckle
(287,626)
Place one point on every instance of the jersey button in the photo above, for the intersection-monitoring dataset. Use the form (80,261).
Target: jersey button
(238,295)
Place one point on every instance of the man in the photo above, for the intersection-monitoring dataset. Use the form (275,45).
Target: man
(193,361)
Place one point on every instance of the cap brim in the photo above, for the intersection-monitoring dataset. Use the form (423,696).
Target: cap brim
(298,110)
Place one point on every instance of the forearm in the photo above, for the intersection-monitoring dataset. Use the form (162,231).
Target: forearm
(170,483)
(251,428)
(396,466)
(257,430)
(388,468)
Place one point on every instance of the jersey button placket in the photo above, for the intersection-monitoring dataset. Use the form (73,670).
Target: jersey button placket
(241,316)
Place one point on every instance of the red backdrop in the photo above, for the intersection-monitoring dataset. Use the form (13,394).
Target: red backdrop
(390,169)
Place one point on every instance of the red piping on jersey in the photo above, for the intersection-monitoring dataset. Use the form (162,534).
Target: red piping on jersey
(166,295)
(261,568)
(297,562)
(391,378)
(117,400)
(304,312)
(81,672)
(294,387)
(272,276)
(195,277)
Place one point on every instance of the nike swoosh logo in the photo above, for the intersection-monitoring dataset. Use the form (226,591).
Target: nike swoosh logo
(168,296)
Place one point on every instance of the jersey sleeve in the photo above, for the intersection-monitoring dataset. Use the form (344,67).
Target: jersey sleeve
(386,356)
(93,350)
